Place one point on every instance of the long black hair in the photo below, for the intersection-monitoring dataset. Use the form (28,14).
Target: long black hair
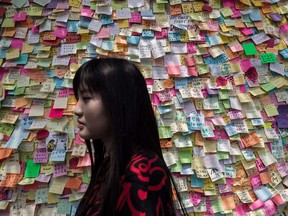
(126,99)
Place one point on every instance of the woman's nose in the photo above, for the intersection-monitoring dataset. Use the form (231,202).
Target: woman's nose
(77,109)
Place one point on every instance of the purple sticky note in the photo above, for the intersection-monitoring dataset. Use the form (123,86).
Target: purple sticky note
(276,17)
(282,121)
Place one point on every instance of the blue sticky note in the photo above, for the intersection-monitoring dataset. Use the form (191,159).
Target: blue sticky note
(84,22)
(134,40)
(106,19)
(148,34)
(3,52)
(26,122)
(17,136)
(147,13)
(58,82)
(218,60)
(230,129)
(263,193)
(90,48)
(58,155)
(72,26)
(255,15)
(174,36)
(22,59)
(36,49)
(181,83)
(107,45)
(164,109)
(196,182)
(49,73)
(284,53)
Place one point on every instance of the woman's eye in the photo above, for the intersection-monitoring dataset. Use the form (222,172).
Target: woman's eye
(86,99)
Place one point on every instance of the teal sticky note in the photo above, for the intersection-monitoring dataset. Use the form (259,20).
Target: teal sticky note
(268,58)
(32,169)
(249,49)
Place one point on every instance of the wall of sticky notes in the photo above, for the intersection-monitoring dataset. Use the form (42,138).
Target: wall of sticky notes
(217,75)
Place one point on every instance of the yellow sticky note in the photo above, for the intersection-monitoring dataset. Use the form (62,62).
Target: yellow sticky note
(7,23)
(35,11)
(271,110)
(12,53)
(256,91)
(226,11)
(124,23)
(27,48)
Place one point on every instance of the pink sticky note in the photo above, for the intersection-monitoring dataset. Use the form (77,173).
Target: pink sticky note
(277,199)
(135,18)
(21,16)
(78,139)
(60,32)
(195,198)
(213,26)
(191,48)
(189,61)
(192,71)
(242,209)
(161,35)
(84,161)
(104,33)
(283,28)
(173,70)
(259,164)
(87,12)
(83,187)
(269,208)
(17,43)
(236,13)
(242,88)
(155,99)
(23,71)
(228,3)
(257,204)
(247,31)
(56,113)
(255,181)
(245,64)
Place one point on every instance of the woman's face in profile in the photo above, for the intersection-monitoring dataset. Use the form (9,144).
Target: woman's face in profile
(93,121)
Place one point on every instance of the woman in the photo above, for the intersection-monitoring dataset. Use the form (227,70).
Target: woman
(115,117)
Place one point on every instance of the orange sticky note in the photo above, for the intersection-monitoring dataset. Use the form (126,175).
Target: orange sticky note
(73,183)
(228,202)
(5,153)
(10,180)
(265,177)
(250,139)
(20,102)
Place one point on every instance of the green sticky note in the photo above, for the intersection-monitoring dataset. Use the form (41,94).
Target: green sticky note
(158,8)
(32,169)
(249,49)
(164,132)
(177,167)
(185,155)
(85,178)
(217,205)
(268,58)
(223,94)
(268,86)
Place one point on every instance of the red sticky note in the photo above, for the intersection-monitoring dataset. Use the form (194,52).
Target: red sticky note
(221,81)
(2,11)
